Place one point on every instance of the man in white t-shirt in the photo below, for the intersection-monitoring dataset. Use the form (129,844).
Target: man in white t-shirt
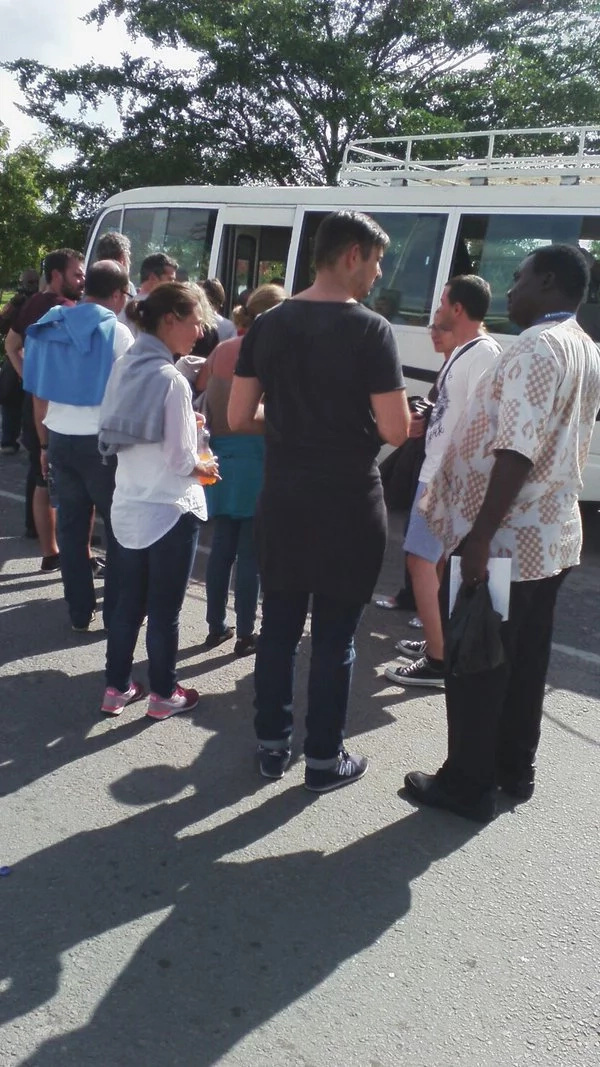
(463,307)
(68,357)
(508,486)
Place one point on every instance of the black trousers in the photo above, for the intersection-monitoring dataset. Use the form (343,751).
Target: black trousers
(494,718)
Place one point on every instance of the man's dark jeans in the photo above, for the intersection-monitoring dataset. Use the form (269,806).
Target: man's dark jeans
(494,717)
(11,419)
(81,480)
(333,626)
(151,580)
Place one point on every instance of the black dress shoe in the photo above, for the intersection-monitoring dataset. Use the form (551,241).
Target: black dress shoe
(214,640)
(519,786)
(429,789)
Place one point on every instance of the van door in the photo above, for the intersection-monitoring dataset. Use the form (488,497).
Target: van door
(254,248)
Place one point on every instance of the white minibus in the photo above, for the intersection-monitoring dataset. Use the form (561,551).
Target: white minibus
(456,214)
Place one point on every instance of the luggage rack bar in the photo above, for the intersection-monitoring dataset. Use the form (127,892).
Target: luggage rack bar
(380,161)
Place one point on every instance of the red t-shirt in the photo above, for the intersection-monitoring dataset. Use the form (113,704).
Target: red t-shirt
(34,308)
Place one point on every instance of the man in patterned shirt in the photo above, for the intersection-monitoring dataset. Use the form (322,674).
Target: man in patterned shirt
(508,486)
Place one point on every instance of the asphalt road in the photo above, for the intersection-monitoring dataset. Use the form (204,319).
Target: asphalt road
(166,907)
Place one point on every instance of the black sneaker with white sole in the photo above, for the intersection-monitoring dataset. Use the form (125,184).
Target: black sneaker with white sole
(422,672)
(273,762)
(413,649)
(348,769)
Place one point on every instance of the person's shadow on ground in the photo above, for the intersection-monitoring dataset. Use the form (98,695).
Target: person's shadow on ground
(244,939)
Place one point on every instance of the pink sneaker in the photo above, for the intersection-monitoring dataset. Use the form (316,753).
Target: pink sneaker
(114,701)
(181,700)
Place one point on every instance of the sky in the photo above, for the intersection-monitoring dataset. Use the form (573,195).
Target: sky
(51,32)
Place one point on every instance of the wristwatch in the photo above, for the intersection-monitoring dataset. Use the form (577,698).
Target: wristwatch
(44,448)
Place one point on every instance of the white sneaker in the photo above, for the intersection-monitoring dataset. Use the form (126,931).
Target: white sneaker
(412,649)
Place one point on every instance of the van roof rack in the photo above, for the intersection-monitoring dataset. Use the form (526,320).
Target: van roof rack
(568,155)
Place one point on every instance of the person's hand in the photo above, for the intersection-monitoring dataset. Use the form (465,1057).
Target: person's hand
(417,426)
(44,463)
(474,561)
(209,468)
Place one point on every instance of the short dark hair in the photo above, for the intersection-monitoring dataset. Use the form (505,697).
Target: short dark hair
(156,263)
(58,259)
(342,229)
(215,292)
(176,298)
(104,277)
(113,245)
(569,267)
(472,292)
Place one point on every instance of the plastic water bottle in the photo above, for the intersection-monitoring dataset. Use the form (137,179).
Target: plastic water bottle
(205,453)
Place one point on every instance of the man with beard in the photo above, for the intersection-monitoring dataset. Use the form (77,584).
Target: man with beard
(65,278)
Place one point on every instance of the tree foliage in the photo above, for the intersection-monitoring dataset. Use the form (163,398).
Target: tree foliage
(33,215)
(279,87)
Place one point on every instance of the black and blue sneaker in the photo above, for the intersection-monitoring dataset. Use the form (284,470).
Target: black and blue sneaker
(273,762)
(348,769)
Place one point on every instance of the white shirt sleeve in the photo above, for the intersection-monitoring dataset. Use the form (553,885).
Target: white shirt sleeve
(180,441)
(483,356)
(123,340)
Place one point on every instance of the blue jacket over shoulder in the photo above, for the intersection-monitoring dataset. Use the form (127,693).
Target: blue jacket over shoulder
(69,354)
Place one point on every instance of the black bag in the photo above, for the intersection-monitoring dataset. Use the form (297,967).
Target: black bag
(472,638)
(10,383)
(400,470)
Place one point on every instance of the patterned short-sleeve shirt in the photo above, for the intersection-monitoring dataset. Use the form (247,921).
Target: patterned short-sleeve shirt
(540,399)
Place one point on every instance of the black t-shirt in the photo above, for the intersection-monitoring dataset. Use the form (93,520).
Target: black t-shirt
(321,521)
(318,363)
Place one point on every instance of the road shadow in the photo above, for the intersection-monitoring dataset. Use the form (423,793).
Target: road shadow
(243,940)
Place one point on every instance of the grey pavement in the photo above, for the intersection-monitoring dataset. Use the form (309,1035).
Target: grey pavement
(166,907)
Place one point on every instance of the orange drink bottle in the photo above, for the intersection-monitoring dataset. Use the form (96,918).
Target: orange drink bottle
(205,454)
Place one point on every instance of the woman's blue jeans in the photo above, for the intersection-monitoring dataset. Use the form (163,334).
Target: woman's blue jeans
(151,581)
(233,542)
(333,625)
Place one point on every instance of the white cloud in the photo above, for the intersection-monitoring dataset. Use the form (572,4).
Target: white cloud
(54,34)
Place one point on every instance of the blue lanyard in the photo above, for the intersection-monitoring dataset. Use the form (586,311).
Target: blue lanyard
(554,316)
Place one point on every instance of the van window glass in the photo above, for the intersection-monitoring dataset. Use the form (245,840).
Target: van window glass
(188,238)
(184,233)
(409,268)
(110,221)
(245,256)
(494,245)
(273,251)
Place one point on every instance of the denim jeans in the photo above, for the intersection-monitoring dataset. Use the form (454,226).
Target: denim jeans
(151,581)
(333,626)
(82,480)
(233,541)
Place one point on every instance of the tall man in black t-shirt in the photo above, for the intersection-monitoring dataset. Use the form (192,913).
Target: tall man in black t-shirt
(333,387)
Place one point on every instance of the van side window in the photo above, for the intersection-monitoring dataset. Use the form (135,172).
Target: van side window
(111,220)
(494,245)
(409,267)
(186,233)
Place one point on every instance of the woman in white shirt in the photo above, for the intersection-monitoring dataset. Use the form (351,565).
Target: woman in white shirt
(147,419)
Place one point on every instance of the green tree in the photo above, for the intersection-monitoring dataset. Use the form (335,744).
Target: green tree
(34,213)
(280,87)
